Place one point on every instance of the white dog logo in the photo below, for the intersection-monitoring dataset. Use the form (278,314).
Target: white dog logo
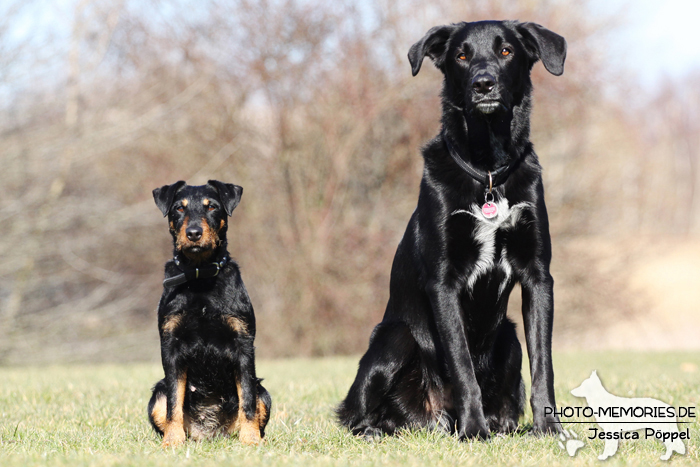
(616,415)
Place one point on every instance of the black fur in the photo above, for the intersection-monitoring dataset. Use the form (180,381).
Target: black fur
(206,325)
(445,355)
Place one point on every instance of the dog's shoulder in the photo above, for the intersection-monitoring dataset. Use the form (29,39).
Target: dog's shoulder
(231,278)
(234,297)
(435,153)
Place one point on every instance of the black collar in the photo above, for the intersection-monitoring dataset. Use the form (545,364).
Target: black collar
(204,272)
(497,177)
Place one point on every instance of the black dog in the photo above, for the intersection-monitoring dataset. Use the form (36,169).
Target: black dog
(445,355)
(206,325)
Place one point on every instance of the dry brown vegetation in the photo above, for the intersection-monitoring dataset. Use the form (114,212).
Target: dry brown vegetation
(312,109)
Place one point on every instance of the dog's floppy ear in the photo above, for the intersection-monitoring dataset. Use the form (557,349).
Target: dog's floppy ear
(164,196)
(230,194)
(545,45)
(433,44)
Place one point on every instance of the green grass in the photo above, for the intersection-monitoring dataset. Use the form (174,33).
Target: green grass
(96,415)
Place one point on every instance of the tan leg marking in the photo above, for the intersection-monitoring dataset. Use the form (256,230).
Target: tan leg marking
(234,426)
(261,413)
(174,433)
(249,430)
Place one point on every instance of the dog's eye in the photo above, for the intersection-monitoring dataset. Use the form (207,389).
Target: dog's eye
(462,56)
(180,209)
(505,51)
(211,207)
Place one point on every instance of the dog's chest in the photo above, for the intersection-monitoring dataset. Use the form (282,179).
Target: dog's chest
(198,317)
(485,243)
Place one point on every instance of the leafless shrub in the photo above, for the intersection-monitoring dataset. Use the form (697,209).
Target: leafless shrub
(311,108)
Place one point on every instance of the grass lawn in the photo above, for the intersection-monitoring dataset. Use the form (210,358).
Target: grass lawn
(96,415)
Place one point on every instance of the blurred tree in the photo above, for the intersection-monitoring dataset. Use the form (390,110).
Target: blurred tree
(311,108)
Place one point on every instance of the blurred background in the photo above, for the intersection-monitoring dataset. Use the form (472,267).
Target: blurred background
(311,107)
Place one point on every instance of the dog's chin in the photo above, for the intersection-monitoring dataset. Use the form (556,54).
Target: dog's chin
(197,253)
(489,107)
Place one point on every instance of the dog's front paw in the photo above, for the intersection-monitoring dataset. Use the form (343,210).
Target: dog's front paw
(249,434)
(173,437)
(372,434)
(547,425)
(474,427)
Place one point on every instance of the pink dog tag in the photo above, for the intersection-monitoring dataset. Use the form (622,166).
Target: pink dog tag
(489,210)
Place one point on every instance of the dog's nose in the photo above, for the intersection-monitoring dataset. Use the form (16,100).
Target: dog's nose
(194,233)
(483,84)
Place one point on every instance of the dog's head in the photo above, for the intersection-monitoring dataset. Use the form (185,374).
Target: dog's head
(487,64)
(588,387)
(198,215)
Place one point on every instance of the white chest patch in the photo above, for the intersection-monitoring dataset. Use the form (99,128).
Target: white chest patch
(485,236)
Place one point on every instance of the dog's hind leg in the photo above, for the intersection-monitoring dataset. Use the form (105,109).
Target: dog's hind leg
(257,423)
(367,409)
(504,395)
(158,407)
(263,409)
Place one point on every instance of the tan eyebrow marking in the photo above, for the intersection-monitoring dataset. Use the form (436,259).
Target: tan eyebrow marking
(185,202)
(205,202)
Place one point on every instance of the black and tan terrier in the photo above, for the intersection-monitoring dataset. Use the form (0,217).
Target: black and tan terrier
(206,325)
